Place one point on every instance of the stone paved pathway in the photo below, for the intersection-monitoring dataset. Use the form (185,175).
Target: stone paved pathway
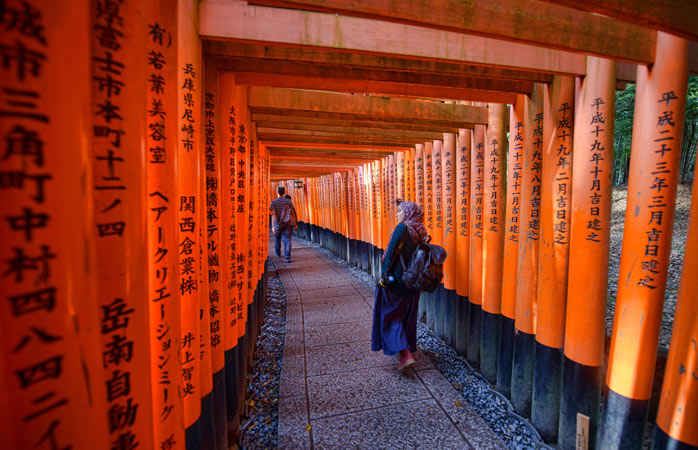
(336,393)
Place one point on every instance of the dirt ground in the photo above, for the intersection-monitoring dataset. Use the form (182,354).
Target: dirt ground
(683,204)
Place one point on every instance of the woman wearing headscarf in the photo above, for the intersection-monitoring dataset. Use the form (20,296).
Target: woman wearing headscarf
(395,310)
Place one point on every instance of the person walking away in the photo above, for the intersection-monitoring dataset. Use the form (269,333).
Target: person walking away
(282,230)
(395,311)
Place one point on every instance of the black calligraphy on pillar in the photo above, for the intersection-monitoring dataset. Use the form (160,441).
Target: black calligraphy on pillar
(241,203)
(536,167)
(108,118)
(659,187)
(449,183)
(213,215)
(562,186)
(428,196)
(27,274)
(479,189)
(494,179)
(464,172)
(515,155)
(597,153)
(438,192)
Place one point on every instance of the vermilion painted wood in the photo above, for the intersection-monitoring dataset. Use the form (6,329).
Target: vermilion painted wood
(477,205)
(513,208)
(262,67)
(449,209)
(462,211)
(360,133)
(334,58)
(187,205)
(242,22)
(556,194)
(529,238)
(326,104)
(283,120)
(162,241)
(673,16)
(547,25)
(648,221)
(493,208)
(587,284)
(349,84)
(677,415)
(63,82)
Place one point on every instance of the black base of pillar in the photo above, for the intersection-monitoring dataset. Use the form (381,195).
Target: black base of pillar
(489,344)
(232,380)
(663,441)
(219,410)
(439,304)
(450,305)
(192,436)
(422,308)
(581,393)
(505,355)
(474,328)
(430,310)
(242,372)
(208,426)
(522,373)
(622,421)
(547,385)
(462,311)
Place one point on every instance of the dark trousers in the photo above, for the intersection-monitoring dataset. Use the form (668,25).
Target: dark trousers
(285,234)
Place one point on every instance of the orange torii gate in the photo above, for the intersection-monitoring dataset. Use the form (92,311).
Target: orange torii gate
(184,116)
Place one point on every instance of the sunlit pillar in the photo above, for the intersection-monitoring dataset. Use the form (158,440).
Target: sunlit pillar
(556,192)
(477,203)
(462,211)
(53,387)
(588,254)
(526,289)
(510,257)
(493,237)
(660,105)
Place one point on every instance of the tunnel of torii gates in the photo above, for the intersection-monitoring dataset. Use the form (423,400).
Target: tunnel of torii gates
(142,141)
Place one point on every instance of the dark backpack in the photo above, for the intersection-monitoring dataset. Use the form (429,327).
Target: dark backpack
(426,268)
(288,216)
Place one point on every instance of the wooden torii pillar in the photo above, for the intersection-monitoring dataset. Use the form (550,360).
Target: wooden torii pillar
(657,135)
(588,255)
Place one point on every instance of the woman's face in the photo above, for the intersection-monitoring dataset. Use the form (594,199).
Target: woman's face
(400,215)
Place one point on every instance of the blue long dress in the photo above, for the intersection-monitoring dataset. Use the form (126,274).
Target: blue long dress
(395,308)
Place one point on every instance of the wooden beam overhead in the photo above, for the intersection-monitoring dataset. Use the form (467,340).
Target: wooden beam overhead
(336,58)
(530,21)
(349,163)
(333,146)
(269,138)
(333,105)
(299,130)
(351,86)
(673,16)
(236,20)
(319,72)
(326,154)
(283,119)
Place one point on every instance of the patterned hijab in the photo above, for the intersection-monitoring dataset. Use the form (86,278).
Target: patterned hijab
(413,219)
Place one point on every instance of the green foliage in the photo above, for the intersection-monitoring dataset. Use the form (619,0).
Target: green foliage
(625,104)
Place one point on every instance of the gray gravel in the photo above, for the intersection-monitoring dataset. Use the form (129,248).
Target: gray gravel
(683,206)
(263,420)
